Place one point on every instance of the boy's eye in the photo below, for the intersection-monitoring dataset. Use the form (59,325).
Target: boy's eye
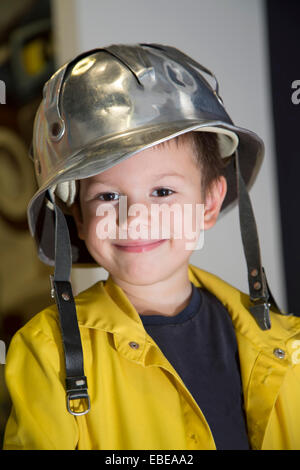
(107,197)
(163,192)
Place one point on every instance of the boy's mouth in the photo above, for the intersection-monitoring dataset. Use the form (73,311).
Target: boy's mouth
(137,246)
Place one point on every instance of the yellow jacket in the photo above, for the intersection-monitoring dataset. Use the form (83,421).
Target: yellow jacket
(138,400)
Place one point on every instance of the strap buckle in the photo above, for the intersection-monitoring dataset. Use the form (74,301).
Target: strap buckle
(77,390)
(82,395)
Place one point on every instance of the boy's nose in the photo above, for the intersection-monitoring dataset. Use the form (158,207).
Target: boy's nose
(133,218)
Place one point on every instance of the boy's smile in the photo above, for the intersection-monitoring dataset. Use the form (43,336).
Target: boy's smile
(139,246)
(147,259)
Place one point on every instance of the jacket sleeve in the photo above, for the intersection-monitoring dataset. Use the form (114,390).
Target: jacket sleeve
(34,377)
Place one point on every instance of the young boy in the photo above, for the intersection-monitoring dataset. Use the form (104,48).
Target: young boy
(174,357)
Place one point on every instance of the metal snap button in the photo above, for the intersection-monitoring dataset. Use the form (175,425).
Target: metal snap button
(280,353)
(134,345)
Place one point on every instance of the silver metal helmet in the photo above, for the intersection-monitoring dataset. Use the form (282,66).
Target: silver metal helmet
(101,108)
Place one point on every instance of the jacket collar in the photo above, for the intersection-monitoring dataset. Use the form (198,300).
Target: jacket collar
(238,304)
(105,306)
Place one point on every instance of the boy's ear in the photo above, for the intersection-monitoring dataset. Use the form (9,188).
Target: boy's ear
(77,215)
(213,202)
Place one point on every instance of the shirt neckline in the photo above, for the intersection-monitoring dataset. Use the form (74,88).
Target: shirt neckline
(186,314)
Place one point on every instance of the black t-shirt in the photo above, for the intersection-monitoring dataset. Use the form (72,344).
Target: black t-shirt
(200,344)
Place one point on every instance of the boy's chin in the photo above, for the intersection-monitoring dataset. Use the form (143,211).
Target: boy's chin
(142,273)
(146,273)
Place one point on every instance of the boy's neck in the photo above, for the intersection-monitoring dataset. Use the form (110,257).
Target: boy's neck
(166,297)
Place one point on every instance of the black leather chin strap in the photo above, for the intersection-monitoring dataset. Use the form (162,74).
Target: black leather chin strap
(76,381)
(260,293)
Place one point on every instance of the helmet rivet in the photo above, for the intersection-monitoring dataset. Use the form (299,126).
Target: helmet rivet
(55,129)
(257,285)
(65,296)
(254,272)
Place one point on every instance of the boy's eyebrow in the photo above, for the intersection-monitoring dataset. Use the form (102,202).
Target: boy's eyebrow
(155,177)
(162,175)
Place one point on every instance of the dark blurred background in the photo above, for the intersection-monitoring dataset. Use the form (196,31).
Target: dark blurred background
(283,20)
(26,62)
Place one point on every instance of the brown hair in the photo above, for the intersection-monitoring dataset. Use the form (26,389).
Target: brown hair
(207,156)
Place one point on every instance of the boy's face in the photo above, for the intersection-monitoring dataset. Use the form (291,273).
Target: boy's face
(160,180)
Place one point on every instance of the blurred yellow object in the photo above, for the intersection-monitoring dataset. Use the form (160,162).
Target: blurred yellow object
(34,56)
